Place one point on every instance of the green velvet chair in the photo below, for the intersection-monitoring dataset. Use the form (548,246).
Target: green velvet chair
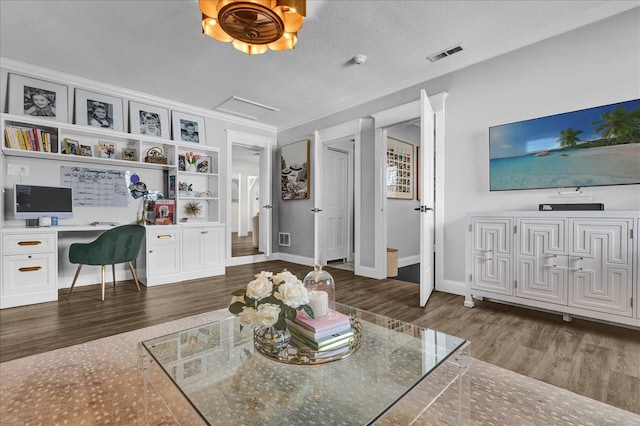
(117,245)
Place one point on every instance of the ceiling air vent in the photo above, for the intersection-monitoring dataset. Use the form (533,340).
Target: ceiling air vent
(446,52)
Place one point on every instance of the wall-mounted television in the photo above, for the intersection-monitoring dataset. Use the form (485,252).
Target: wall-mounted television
(33,201)
(591,147)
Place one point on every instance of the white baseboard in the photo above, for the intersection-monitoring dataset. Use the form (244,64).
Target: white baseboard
(453,287)
(244,260)
(409,260)
(308,261)
(365,271)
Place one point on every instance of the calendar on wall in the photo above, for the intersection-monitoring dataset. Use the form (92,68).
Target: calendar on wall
(400,169)
(96,187)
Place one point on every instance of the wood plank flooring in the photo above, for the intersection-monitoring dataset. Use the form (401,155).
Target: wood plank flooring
(243,246)
(595,360)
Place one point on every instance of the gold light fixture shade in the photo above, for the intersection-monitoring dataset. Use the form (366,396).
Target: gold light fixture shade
(254,25)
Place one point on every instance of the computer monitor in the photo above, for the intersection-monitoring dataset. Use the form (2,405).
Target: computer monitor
(34,201)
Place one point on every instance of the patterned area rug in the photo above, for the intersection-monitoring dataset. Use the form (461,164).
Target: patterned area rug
(98,383)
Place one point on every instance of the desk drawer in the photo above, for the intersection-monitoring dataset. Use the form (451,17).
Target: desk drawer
(163,236)
(42,242)
(25,274)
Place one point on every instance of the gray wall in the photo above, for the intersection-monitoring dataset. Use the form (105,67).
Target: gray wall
(594,65)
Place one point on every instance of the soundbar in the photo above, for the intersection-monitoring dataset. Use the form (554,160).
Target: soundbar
(574,206)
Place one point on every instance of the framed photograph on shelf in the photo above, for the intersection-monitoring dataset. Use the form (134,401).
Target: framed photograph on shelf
(163,212)
(129,154)
(203,164)
(187,128)
(148,120)
(98,110)
(107,150)
(400,169)
(37,98)
(86,151)
(71,147)
(294,167)
(182,163)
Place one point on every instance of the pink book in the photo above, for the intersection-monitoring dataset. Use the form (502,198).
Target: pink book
(333,320)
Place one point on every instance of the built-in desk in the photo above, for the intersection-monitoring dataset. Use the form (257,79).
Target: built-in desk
(35,262)
(31,263)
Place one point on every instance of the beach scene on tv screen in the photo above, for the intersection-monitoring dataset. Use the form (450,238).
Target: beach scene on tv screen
(591,147)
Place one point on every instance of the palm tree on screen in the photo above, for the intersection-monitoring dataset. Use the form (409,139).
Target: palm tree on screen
(569,137)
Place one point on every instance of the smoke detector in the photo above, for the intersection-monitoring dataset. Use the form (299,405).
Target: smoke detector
(359,59)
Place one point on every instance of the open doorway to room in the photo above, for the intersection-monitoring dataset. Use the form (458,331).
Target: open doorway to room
(245,201)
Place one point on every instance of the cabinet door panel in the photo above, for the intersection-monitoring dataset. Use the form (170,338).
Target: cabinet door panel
(163,260)
(213,242)
(492,255)
(541,260)
(24,274)
(600,265)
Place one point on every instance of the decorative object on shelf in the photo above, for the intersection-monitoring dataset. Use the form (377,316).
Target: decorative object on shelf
(191,159)
(98,110)
(203,165)
(400,169)
(71,147)
(85,151)
(205,194)
(192,208)
(254,26)
(163,212)
(107,150)
(138,189)
(182,163)
(322,291)
(155,155)
(148,120)
(129,154)
(294,166)
(266,304)
(187,128)
(37,98)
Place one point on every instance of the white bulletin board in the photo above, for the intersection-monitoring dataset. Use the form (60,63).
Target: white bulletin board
(96,187)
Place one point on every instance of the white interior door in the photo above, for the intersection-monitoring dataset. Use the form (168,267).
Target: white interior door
(427,224)
(264,218)
(336,204)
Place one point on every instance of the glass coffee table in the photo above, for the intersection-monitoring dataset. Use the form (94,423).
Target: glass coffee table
(211,374)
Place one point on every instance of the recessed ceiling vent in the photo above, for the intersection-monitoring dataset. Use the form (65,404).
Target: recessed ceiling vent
(443,54)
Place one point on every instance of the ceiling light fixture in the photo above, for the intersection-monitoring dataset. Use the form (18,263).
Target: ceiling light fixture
(252,26)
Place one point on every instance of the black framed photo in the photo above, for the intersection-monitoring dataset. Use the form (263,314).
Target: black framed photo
(98,110)
(182,163)
(187,128)
(37,98)
(86,151)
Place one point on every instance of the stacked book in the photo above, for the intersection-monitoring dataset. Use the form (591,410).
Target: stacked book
(325,337)
(27,139)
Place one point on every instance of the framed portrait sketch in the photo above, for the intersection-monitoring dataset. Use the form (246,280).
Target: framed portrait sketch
(37,98)
(97,110)
(400,169)
(294,170)
(148,120)
(187,128)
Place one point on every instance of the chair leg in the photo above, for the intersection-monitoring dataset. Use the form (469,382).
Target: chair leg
(102,275)
(75,278)
(113,272)
(135,277)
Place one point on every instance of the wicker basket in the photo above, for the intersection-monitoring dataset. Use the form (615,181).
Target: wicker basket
(156,156)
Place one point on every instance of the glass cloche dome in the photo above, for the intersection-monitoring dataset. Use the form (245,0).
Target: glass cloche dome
(322,291)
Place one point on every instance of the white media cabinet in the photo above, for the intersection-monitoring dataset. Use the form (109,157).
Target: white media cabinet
(577,263)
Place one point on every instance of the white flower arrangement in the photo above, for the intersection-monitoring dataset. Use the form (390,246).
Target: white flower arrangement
(269,299)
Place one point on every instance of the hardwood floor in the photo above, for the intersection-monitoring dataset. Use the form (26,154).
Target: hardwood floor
(242,246)
(595,360)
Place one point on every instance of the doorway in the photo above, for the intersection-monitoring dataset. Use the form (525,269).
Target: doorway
(249,198)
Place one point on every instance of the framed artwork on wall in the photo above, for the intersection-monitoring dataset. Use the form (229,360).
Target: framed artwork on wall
(148,120)
(37,98)
(187,128)
(400,169)
(294,170)
(98,110)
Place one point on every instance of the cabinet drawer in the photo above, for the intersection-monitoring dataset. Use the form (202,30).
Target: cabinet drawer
(25,274)
(43,242)
(162,236)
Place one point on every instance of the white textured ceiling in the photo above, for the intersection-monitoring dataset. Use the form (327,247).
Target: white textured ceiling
(157,47)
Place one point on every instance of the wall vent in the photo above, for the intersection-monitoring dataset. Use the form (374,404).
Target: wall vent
(284,239)
(446,52)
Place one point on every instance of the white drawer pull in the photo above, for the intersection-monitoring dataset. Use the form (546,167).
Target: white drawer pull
(29,243)
(30,269)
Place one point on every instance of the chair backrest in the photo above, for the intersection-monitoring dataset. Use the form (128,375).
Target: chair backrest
(117,245)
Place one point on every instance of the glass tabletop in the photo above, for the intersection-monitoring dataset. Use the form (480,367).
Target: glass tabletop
(217,369)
